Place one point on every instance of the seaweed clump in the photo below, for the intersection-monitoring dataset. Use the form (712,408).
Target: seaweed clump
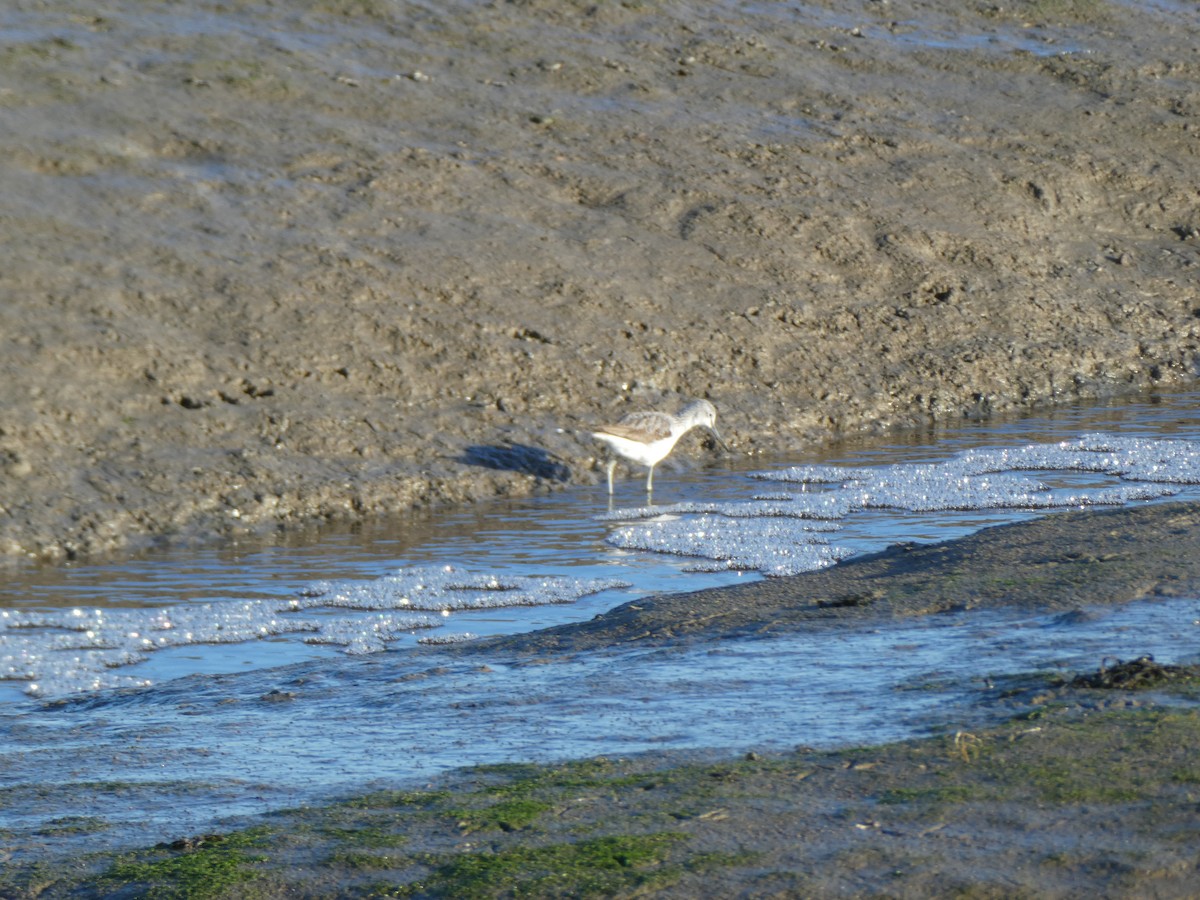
(1137,674)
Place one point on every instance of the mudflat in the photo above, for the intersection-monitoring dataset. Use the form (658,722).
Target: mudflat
(270,264)
(273,264)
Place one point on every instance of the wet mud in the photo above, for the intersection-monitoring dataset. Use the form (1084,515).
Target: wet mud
(266,266)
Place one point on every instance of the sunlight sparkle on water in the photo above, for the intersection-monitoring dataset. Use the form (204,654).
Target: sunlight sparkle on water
(772,534)
(784,532)
(68,651)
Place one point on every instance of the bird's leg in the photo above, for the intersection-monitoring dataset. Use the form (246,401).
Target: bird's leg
(612,464)
(650,480)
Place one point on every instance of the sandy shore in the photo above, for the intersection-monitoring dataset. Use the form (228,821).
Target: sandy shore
(265,265)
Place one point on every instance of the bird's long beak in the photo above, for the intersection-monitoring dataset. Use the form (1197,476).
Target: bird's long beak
(720,443)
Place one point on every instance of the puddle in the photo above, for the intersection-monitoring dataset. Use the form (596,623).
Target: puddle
(267,676)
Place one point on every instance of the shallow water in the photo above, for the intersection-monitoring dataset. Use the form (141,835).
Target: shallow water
(238,721)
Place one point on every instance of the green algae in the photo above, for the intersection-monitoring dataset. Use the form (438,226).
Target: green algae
(942,794)
(1107,758)
(30,880)
(395,800)
(526,778)
(73,825)
(358,860)
(209,867)
(601,827)
(599,867)
(508,815)
(370,835)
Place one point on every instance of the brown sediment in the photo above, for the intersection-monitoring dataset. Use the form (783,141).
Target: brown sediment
(273,265)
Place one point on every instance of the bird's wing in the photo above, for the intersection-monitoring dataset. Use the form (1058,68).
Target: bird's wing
(641,426)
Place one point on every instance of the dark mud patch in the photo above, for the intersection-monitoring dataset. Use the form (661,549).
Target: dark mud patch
(1138,674)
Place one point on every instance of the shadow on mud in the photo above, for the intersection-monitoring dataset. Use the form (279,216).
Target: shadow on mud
(517,458)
